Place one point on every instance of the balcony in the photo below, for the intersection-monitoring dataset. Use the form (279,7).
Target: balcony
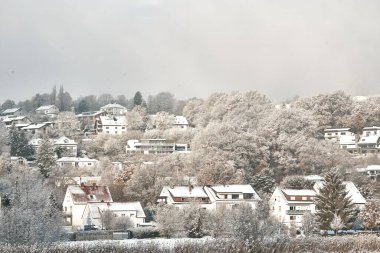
(296,212)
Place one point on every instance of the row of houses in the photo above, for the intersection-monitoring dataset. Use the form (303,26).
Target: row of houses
(367,142)
(286,205)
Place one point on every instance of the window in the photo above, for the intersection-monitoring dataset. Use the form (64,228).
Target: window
(123,215)
(292,217)
(132,215)
(247,195)
(89,163)
(115,127)
(279,208)
(292,198)
(225,196)
(342,133)
(235,196)
(107,128)
(115,132)
(304,198)
(123,128)
(292,208)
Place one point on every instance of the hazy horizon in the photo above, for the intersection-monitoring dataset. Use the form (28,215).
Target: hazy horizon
(189,48)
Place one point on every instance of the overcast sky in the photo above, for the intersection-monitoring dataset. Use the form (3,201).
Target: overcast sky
(190,48)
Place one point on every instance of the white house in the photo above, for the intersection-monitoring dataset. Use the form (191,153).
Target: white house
(356,197)
(336,133)
(369,144)
(18,121)
(68,146)
(11,112)
(78,196)
(155,146)
(370,131)
(50,110)
(114,109)
(231,195)
(76,162)
(93,212)
(40,128)
(289,205)
(371,171)
(181,122)
(112,125)
(184,195)
(348,142)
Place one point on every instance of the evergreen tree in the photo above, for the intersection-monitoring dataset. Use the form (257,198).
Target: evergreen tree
(45,157)
(333,200)
(53,96)
(19,143)
(137,99)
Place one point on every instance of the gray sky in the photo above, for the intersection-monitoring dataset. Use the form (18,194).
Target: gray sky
(190,48)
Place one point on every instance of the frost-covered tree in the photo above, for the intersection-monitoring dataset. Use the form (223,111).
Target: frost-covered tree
(19,143)
(309,224)
(170,220)
(296,182)
(370,215)
(68,124)
(137,99)
(46,157)
(336,223)
(194,220)
(137,119)
(333,200)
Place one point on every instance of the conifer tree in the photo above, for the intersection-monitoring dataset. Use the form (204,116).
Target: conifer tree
(333,200)
(19,143)
(45,157)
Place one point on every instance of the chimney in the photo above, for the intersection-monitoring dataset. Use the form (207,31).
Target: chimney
(190,187)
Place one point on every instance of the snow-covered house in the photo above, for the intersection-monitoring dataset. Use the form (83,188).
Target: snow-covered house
(289,205)
(348,142)
(336,133)
(88,120)
(92,214)
(371,171)
(68,146)
(114,109)
(371,131)
(181,122)
(11,112)
(180,196)
(369,144)
(231,195)
(50,110)
(155,146)
(78,196)
(356,197)
(76,162)
(112,125)
(18,160)
(40,128)
(17,121)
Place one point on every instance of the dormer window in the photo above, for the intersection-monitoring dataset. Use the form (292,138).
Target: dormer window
(92,197)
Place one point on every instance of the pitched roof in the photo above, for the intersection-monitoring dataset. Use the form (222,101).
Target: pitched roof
(97,208)
(235,188)
(11,110)
(113,106)
(84,193)
(364,140)
(34,126)
(352,191)
(183,192)
(45,107)
(76,159)
(337,129)
(295,192)
(180,120)
(64,141)
(11,119)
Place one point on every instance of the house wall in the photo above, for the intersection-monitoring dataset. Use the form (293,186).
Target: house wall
(113,129)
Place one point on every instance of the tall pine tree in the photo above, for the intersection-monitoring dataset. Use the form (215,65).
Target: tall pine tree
(333,200)
(46,157)
(19,143)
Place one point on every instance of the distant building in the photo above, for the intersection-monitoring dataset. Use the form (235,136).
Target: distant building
(181,122)
(181,196)
(68,147)
(369,144)
(348,142)
(155,146)
(50,110)
(112,125)
(11,112)
(40,128)
(76,162)
(336,133)
(88,120)
(371,131)
(114,109)
(17,121)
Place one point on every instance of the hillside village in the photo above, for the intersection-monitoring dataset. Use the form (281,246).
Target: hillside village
(121,167)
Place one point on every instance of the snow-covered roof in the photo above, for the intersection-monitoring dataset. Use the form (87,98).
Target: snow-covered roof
(76,159)
(113,120)
(11,110)
(373,139)
(11,119)
(373,168)
(235,188)
(180,120)
(371,128)
(89,193)
(34,126)
(96,208)
(184,192)
(113,106)
(64,141)
(337,129)
(296,192)
(89,114)
(352,191)
(314,178)
(45,107)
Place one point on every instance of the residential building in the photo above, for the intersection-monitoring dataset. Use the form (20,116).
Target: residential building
(94,211)
(369,144)
(289,205)
(40,128)
(19,160)
(114,109)
(112,125)
(348,142)
(88,120)
(11,112)
(356,197)
(18,121)
(336,133)
(155,146)
(372,171)
(371,131)
(67,146)
(78,196)
(181,122)
(209,197)
(50,110)
(184,195)
(231,195)
(76,162)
